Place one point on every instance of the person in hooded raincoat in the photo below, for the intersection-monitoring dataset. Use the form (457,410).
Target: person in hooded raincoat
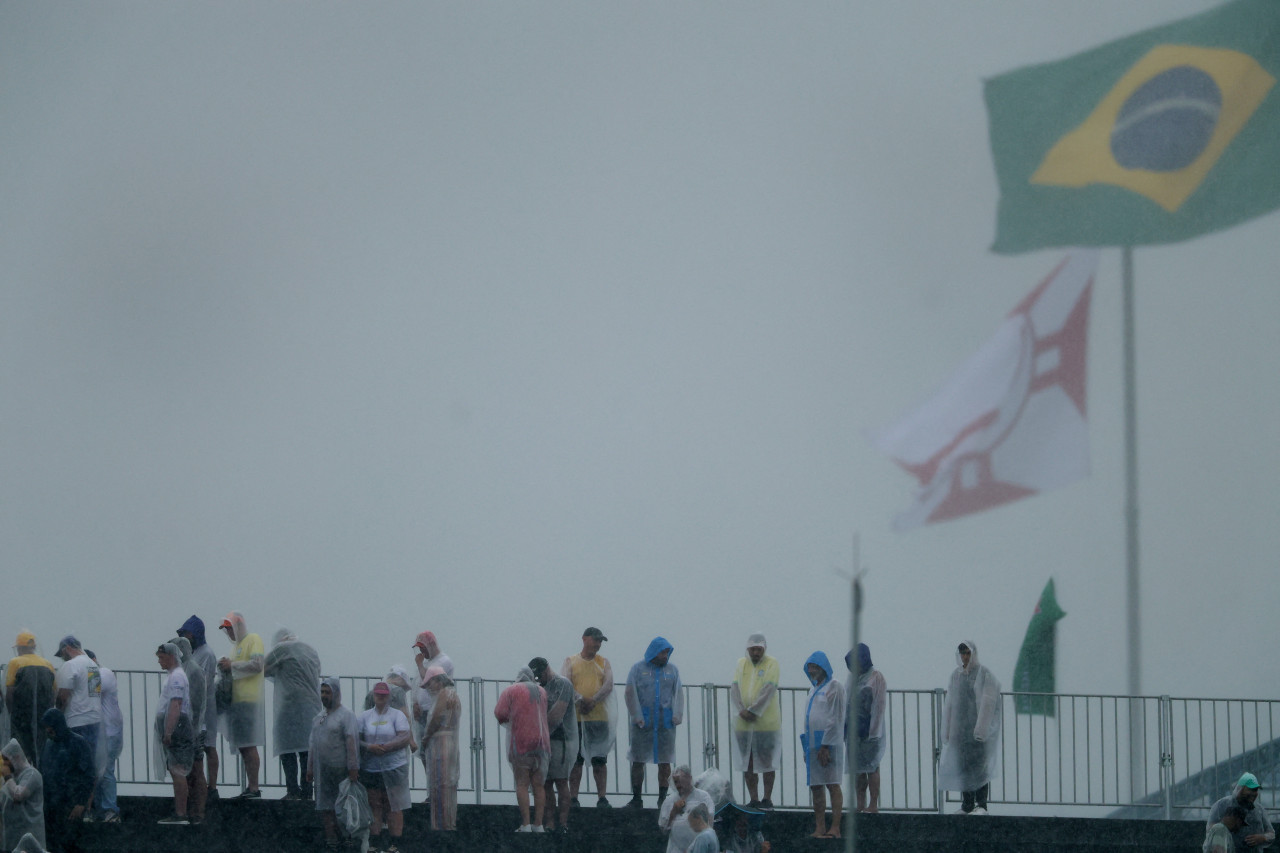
(440,748)
(21,797)
(522,709)
(197,786)
(294,669)
(866,701)
(67,769)
(244,724)
(426,654)
(823,743)
(28,693)
(1256,832)
(655,703)
(970,731)
(207,732)
(757,718)
(333,754)
(591,675)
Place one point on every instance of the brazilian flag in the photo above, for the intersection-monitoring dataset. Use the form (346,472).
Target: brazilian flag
(1155,138)
(1035,668)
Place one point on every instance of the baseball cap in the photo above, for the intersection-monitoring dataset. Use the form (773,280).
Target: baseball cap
(381,687)
(25,638)
(1248,780)
(595,633)
(67,641)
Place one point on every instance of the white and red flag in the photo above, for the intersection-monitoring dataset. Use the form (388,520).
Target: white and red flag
(1011,421)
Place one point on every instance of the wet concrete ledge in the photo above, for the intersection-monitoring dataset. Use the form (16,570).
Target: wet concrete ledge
(276,826)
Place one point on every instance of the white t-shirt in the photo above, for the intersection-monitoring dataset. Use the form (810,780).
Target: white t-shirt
(112,719)
(176,686)
(80,676)
(681,834)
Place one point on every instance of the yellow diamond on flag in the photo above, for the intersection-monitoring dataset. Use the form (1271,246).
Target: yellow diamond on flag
(1163,125)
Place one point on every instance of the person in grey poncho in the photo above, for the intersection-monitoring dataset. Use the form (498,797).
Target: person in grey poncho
(21,797)
(333,754)
(294,668)
(1256,831)
(970,731)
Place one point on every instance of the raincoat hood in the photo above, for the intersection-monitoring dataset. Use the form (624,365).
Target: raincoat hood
(525,674)
(864,660)
(656,647)
(238,629)
(820,658)
(13,751)
(336,687)
(973,657)
(284,635)
(195,627)
(54,719)
(184,648)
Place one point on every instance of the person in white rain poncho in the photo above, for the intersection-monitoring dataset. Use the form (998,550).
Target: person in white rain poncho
(823,743)
(243,723)
(655,702)
(562,723)
(21,797)
(207,733)
(673,815)
(333,754)
(866,701)
(197,787)
(175,738)
(757,718)
(294,669)
(522,710)
(426,655)
(970,731)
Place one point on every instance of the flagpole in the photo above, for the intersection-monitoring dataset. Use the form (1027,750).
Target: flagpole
(1131,520)
(851,721)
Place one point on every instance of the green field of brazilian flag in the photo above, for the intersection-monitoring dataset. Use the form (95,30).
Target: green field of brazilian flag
(1154,138)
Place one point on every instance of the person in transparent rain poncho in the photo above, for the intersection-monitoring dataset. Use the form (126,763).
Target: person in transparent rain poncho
(207,735)
(596,705)
(563,725)
(655,703)
(294,669)
(1256,832)
(823,744)
(866,701)
(440,749)
(426,654)
(333,754)
(757,719)
(21,797)
(970,756)
(175,738)
(522,710)
(244,722)
(197,788)
(673,815)
(384,764)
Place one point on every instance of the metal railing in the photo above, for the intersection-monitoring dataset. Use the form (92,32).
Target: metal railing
(1152,756)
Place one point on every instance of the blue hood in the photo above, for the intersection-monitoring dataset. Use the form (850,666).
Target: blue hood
(54,719)
(820,658)
(864,660)
(196,627)
(657,647)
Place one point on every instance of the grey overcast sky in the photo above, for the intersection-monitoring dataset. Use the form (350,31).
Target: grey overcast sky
(504,319)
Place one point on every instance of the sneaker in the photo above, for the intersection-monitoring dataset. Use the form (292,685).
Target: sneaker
(766,804)
(88,817)
(574,802)
(111,817)
(539,828)
(635,803)
(979,810)
(753,804)
(292,796)
(525,828)
(392,849)
(174,820)
(248,795)
(603,803)
(213,796)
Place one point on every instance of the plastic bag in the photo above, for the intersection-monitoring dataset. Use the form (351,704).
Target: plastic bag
(352,808)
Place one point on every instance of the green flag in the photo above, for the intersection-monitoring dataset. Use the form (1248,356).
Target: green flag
(1155,138)
(1034,672)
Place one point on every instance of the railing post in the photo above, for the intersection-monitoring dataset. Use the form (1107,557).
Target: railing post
(1166,755)
(710,727)
(936,736)
(477,735)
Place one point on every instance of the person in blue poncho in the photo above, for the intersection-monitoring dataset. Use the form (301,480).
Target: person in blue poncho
(823,743)
(655,703)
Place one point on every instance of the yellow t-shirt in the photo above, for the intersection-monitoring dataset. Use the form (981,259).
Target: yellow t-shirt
(247,688)
(588,677)
(752,680)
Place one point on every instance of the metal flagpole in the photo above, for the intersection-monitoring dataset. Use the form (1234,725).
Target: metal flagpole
(1131,524)
(851,722)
